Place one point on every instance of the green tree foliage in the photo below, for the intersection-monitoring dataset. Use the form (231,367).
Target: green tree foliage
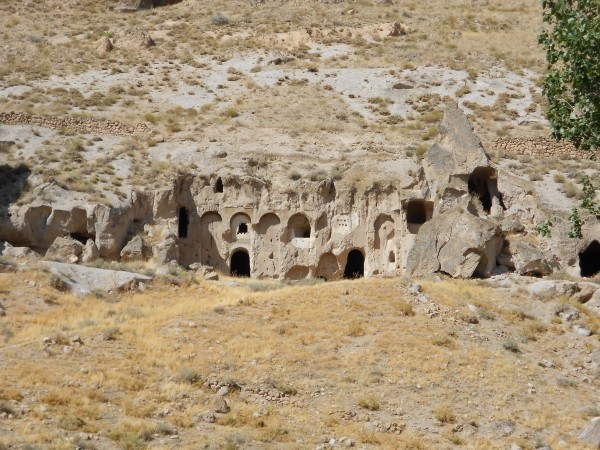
(571,39)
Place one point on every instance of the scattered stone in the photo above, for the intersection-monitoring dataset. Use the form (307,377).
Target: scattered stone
(209,417)
(503,428)
(221,406)
(223,391)
(569,314)
(67,349)
(415,289)
(402,86)
(582,331)
(347,442)
(105,46)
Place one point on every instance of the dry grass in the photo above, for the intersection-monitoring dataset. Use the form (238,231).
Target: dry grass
(323,349)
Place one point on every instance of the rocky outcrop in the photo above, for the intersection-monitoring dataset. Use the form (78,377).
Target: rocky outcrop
(456,243)
(448,216)
(457,167)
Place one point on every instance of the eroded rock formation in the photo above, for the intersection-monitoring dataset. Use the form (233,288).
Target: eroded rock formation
(458,215)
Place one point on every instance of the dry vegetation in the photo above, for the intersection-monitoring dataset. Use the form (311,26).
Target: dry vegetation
(243,74)
(347,359)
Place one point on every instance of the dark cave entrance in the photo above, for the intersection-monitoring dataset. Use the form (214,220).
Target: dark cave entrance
(355,265)
(479,186)
(184,221)
(589,260)
(240,264)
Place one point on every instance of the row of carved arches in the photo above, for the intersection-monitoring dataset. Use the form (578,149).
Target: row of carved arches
(267,236)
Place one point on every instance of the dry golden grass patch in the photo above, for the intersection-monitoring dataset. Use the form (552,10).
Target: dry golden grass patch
(303,339)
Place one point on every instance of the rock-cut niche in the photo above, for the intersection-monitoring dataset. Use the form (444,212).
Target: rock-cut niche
(417,213)
(589,260)
(299,227)
(483,183)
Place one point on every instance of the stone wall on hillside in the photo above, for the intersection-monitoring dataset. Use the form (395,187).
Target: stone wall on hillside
(80,125)
(540,146)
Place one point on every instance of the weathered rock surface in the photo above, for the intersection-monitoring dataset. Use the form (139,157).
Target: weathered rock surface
(449,164)
(90,252)
(525,258)
(17,253)
(65,249)
(84,280)
(591,435)
(456,243)
(135,5)
(134,250)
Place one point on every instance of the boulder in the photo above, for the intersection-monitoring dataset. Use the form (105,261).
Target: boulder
(525,258)
(133,39)
(84,280)
(105,45)
(17,253)
(134,250)
(207,272)
(586,293)
(90,252)
(456,243)
(166,251)
(596,363)
(65,249)
(593,304)
(591,435)
(111,224)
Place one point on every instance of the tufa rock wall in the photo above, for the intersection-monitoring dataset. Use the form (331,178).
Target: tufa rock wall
(460,217)
(80,125)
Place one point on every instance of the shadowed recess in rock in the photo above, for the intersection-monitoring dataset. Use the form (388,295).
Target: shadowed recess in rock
(240,264)
(355,265)
(589,260)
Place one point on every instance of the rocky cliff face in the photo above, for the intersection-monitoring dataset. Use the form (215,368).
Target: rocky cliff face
(460,216)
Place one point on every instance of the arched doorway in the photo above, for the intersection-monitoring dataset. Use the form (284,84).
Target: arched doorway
(589,260)
(355,265)
(240,264)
